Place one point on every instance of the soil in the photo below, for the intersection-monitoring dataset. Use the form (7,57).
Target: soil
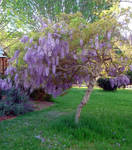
(7,117)
(38,105)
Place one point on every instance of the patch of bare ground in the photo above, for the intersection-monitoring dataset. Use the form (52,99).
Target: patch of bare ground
(6,117)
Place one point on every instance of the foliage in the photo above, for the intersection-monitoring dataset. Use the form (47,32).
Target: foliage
(13,102)
(87,8)
(15,47)
(22,14)
(105,124)
(0,94)
(3,76)
(20,17)
(129,74)
(39,94)
(106,84)
(16,13)
(7,36)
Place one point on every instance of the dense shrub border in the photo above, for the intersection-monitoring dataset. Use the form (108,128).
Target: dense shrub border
(13,103)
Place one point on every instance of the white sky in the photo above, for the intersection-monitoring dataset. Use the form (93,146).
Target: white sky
(126,5)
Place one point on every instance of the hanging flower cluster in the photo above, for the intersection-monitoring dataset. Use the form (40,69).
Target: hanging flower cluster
(5,84)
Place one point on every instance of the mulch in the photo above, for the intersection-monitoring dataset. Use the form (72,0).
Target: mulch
(38,105)
(6,117)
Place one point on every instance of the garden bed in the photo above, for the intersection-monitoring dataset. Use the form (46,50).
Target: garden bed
(38,105)
(6,117)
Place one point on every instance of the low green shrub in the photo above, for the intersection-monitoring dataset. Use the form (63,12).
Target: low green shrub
(13,102)
(105,84)
(3,76)
(129,74)
(39,94)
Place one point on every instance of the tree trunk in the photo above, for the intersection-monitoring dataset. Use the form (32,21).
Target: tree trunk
(84,101)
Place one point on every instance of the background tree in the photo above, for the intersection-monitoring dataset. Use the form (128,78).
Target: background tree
(24,16)
(8,36)
(20,14)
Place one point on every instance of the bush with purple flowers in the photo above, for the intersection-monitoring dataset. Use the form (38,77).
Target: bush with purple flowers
(111,84)
(120,81)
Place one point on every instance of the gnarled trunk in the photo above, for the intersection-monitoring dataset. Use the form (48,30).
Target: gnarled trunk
(85,100)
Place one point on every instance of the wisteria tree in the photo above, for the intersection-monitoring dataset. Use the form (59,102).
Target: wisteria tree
(70,51)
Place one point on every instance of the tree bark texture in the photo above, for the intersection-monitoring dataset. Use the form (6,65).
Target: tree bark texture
(85,100)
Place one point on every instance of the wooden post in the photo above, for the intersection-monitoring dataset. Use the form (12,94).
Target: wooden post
(2,65)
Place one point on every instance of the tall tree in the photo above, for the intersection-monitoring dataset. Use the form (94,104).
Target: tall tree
(20,12)
(23,16)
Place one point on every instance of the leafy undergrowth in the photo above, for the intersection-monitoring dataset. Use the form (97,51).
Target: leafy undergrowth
(105,124)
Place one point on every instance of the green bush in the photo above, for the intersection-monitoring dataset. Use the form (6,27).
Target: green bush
(3,76)
(13,102)
(0,94)
(129,74)
(105,84)
(39,94)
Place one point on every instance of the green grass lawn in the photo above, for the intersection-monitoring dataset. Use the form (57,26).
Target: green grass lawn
(105,124)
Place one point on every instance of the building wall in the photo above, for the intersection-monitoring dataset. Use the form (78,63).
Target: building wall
(3,65)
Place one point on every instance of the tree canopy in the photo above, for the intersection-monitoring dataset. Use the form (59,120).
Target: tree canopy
(21,13)
(24,16)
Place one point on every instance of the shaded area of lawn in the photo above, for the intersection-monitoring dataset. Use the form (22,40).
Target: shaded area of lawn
(105,124)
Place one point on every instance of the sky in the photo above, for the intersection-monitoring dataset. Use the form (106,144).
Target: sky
(126,5)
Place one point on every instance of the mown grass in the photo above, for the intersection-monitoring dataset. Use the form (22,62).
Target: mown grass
(105,124)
